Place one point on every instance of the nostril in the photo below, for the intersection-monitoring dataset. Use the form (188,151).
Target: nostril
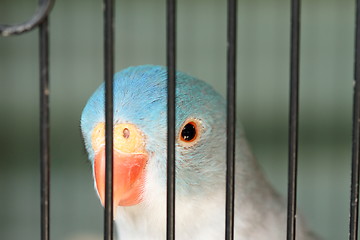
(126,133)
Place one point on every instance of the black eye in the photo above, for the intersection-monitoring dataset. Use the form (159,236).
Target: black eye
(188,132)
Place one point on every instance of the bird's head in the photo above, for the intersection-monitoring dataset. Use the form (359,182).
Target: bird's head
(140,136)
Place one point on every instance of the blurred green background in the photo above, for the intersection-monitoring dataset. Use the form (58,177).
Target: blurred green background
(263,72)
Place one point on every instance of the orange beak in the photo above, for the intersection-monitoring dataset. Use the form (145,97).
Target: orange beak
(128,178)
(129,162)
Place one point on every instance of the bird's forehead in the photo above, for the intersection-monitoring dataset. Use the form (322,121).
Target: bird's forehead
(140,97)
(139,94)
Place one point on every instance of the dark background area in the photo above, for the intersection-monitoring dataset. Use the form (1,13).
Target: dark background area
(76,69)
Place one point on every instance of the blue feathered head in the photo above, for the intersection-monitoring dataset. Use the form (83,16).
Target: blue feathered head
(140,132)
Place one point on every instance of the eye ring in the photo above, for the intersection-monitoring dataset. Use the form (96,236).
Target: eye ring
(189,132)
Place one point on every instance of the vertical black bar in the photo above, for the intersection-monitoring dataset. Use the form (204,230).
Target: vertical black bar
(354,201)
(171,69)
(109,72)
(293,117)
(44,130)
(231,118)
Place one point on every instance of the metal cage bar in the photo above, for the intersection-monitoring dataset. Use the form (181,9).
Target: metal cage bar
(293,117)
(41,13)
(108,77)
(354,197)
(171,85)
(231,118)
(40,19)
(44,129)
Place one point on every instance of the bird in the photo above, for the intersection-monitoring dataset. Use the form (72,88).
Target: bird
(140,161)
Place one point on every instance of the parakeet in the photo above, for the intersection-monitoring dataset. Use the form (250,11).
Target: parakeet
(140,154)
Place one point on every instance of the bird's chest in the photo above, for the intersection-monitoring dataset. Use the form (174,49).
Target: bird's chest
(193,221)
(151,232)
(135,223)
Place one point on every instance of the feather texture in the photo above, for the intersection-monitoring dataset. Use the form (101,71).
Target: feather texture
(140,99)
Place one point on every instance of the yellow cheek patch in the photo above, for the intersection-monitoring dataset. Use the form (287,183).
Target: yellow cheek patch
(127,138)
(98,136)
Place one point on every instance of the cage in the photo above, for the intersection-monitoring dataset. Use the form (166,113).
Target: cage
(326,74)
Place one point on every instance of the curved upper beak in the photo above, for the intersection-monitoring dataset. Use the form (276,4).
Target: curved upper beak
(128,177)
(129,162)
